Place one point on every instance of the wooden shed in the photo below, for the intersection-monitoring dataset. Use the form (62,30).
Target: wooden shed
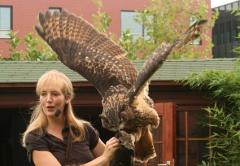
(179,138)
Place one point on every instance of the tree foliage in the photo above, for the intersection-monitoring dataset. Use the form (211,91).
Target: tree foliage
(224,115)
(35,49)
(164,21)
(101,19)
(236,49)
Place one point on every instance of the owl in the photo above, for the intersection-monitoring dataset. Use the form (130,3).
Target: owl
(127,109)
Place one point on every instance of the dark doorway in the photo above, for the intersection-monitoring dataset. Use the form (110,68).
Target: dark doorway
(12,124)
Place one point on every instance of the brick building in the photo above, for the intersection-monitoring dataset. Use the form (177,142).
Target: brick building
(21,16)
(225,31)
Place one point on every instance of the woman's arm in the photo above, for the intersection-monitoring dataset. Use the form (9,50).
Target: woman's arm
(99,149)
(43,158)
(103,153)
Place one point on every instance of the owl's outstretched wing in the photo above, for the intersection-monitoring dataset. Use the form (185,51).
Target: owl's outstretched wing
(157,58)
(87,51)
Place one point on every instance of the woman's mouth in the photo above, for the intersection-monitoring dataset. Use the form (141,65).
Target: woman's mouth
(50,107)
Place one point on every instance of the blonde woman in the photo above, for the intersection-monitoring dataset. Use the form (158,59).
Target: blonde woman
(55,136)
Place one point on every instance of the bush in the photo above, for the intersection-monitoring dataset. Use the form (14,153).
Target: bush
(224,115)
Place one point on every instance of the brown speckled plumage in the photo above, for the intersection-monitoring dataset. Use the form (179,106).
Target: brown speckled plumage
(127,108)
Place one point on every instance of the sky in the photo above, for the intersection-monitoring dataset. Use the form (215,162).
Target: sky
(215,3)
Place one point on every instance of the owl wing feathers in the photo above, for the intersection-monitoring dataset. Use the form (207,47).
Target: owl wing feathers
(82,48)
(160,54)
(102,62)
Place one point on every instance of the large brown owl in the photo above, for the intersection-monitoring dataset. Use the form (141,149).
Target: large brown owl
(127,108)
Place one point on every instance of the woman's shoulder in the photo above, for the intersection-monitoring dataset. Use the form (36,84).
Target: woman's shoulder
(35,141)
(34,135)
(91,134)
(85,125)
(89,128)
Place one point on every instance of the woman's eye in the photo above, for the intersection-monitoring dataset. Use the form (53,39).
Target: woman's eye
(43,94)
(55,94)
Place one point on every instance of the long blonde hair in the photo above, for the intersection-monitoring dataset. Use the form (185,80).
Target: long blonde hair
(39,120)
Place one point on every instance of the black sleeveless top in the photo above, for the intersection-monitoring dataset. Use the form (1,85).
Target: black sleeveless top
(79,153)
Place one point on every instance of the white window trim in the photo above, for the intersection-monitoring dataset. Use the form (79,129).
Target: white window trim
(4,33)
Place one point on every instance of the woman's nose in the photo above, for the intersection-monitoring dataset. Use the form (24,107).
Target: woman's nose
(49,98)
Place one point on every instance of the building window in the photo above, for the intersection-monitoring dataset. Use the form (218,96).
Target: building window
(215,34)
(229,7)
(196,41)
(191,136)
(228,32)
(221,33)
(53,9)
(128,23)
(222,8)
(5,21)
(235,5)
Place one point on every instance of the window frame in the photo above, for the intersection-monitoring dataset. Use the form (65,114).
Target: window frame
(121,21)
(51,9)
(198,40)
(4,36)
(185,123)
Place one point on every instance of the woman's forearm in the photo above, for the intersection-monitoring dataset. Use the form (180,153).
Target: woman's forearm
(102,153)
(99,161)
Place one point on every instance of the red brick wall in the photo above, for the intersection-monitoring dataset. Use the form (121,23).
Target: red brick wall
(25,13)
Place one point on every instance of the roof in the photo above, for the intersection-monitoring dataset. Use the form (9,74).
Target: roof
(30,71)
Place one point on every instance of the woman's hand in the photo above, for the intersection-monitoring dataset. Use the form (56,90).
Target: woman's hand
(103,152)
(111,146)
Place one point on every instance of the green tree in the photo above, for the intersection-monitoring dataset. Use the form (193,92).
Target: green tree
(14,42)
(224,89)
(237,48)
(101,20)
(35,49)
(163,21)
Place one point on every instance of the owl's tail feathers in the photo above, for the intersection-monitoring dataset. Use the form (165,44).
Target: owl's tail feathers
(144,148)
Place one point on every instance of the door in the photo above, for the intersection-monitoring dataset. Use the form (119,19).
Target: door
(164,136)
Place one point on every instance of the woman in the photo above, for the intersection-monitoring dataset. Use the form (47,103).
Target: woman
(55,136)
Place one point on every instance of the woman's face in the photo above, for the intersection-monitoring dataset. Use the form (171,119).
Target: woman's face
(52,99)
